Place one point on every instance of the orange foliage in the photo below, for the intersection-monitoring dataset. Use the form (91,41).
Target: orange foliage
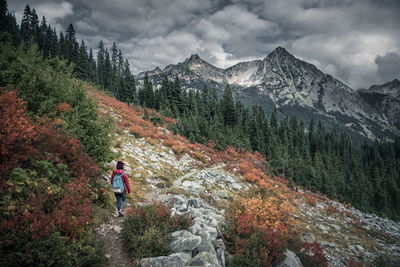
(180,149)
(269,213)
(168,120)
(136,130)
(63,107)
(199,156)
(331,209)
(171,142)
(232,152)
(311,200)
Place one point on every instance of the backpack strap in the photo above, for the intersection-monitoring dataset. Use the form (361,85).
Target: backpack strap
(123,182)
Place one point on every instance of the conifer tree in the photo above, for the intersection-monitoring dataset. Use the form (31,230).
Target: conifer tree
(3,15)
(228,107)
(26,24)
(100,64)
(82,68)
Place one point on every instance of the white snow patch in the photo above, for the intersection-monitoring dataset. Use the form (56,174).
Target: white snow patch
(243,77)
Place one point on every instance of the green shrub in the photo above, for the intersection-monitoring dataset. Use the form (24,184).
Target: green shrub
(147,230)
(49,90)
(53,250)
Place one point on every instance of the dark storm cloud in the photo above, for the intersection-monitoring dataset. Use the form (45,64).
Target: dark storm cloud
(342,37)
(388,66)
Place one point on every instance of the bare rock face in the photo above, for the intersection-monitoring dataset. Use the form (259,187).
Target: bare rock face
(293,86)
(291,260)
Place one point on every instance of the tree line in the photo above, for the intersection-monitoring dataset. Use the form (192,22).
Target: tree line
(367,175)
(110,70)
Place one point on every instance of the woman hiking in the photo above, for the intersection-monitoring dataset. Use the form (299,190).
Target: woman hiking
(120,186)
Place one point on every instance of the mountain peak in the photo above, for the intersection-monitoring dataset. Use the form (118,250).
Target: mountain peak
(194,57)
(281,51)
(396,82)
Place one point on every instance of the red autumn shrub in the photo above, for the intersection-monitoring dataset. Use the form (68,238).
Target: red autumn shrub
(136,130)
(17,133)
(311,200)
(232,152)
(63,107)
(45,176)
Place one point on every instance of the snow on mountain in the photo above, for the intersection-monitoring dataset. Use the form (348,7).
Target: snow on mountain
(292,86)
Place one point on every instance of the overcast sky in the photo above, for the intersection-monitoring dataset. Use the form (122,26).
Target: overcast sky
(356,41)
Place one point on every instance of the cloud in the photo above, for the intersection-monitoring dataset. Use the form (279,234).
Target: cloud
(388,67)
(342,37)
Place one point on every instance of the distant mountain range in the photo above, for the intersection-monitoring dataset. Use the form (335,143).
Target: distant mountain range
(295,87)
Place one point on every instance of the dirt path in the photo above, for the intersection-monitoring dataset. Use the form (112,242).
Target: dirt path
(111,232)
(116,253)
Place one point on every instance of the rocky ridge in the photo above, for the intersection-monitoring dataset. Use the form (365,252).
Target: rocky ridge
(203,192)
(386,99)
(292,86)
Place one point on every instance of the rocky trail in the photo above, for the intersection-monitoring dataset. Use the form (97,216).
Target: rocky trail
(111,232)
(157,174)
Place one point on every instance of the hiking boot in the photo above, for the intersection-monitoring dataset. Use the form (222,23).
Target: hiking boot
(120,214)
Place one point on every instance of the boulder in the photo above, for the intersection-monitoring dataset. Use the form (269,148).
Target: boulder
(291,260)
(206,244)
(176,260)
(184,241)
(220,251)
(203,259)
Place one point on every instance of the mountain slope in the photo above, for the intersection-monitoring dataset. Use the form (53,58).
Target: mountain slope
(291,85)
(202,182)
(385,99)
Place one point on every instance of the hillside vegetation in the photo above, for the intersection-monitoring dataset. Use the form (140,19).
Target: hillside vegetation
(367,175)
(53,146)
(58,135)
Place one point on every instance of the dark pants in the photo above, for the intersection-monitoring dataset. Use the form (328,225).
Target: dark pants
(121,201)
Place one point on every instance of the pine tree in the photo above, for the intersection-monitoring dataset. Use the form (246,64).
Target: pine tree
(71,44)
(228,107)
(26,24)
(148,97)
(34,25)
(100,64)
(128,87)
(82,68)
(92,66)
(114,79)
(107,70)
(3,15)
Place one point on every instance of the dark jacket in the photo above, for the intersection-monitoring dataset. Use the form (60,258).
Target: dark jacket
(124,179)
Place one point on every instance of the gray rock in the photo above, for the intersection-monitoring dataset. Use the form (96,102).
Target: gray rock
(206,244)
(222,194)
(184,241)
(175,260)
(107,177)
(291,260)
(308,237)
(220,250)
(117,229)
(203,259)
(323,228)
